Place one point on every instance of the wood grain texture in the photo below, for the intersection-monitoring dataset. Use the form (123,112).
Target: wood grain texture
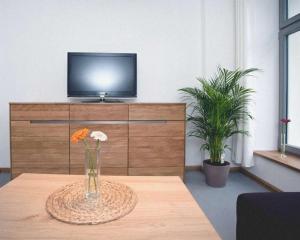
(156,151)
(159,171)
(157,129)
(106,111)
(113,153)
(28,129)
(39,111)
(114,171)
(157,112)
(154,138)
(39,148)
(165,210)
(40,155)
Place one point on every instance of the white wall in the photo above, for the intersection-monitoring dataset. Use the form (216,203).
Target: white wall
(263,50)
(218,48)
(218,18)
(176,40)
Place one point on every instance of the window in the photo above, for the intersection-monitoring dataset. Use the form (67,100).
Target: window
(293,87)
(289,64)
(293,8)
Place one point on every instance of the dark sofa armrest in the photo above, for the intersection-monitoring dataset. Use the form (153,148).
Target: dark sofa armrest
(268,216)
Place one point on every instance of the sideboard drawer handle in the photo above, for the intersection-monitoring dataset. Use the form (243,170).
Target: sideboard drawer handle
(149,122)
(49,121)
(91,122)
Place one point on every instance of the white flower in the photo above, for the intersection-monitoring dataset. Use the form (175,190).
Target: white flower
(98,135)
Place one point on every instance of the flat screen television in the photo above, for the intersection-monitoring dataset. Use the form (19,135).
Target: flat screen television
(102,75)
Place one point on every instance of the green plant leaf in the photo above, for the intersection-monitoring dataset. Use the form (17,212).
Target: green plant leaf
(219,106)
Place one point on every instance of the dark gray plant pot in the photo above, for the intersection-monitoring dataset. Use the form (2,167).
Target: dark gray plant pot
(216,175)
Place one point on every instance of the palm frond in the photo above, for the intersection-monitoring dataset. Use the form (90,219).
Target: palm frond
(219,106)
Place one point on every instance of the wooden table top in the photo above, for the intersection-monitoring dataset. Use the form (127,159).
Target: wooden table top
(165,210)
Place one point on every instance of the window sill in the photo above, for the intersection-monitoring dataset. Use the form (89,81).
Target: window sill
(291,161)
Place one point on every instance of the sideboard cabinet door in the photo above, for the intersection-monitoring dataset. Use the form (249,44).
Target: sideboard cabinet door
(156,139)
(113,152)
(39,147)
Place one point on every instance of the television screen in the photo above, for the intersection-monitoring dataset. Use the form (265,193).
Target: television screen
(99,74)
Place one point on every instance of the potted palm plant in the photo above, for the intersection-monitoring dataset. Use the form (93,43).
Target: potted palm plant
(219,108)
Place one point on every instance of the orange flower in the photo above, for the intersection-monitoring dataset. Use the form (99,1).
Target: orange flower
(79,135)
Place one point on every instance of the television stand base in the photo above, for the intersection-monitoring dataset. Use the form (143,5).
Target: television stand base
(103,100)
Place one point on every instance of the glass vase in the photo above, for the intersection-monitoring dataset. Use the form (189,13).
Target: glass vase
(282,144)
(92,174)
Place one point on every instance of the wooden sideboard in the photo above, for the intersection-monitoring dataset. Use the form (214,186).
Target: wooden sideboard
(143,138)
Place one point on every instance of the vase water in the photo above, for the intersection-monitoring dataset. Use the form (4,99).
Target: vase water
(282,145)
(92,173)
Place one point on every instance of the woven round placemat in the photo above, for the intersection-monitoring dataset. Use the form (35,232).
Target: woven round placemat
(68,204)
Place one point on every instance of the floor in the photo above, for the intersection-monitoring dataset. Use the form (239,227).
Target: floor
(218,203)
(4,178)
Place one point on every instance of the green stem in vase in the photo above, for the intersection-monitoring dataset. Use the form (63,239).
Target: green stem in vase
(94,163)
(91,171)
